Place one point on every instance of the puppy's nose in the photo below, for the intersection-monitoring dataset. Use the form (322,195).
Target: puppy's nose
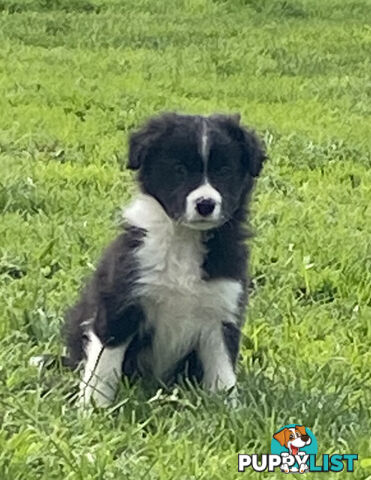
(205,206)
(305,438)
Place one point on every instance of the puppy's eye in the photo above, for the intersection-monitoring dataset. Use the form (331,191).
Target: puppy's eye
(180,170)
(225,170)
(291,436)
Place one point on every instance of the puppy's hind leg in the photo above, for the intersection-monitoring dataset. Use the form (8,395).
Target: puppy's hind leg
(102,371)
(108,337)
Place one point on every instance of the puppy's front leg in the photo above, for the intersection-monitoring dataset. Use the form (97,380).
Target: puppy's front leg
(218,350)
(102,371)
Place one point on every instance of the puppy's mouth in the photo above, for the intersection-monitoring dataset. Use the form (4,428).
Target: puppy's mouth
(202,224)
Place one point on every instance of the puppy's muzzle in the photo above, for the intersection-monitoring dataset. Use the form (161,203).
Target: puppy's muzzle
(203,208)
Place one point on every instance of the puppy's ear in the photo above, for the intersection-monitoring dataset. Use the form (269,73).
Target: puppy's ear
(280,437)
(236,117)
(141,141)
(137,150)
(253,150)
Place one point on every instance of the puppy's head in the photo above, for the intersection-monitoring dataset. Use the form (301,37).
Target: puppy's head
(199,168)
(293,438)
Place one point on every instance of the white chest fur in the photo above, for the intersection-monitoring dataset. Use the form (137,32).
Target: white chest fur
(179,304)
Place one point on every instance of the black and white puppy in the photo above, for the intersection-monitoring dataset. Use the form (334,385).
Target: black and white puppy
(172,287)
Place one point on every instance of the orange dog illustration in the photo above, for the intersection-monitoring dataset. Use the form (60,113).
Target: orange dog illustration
(293,439)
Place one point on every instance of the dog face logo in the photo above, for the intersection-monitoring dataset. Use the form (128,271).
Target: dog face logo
(293,438)
(295,441)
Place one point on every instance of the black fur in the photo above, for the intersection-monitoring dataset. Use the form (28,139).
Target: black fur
(232,335)
(107,299)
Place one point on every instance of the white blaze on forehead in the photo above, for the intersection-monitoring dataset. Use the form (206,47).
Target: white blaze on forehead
(204,144)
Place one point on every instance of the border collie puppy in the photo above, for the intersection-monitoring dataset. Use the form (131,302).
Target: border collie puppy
(172,287)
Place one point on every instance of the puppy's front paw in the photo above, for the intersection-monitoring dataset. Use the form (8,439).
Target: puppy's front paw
(96,393)
(232,400)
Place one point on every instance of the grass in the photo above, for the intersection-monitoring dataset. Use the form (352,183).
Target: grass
(77,76)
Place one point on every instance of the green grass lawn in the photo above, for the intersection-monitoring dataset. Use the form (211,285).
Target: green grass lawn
(75,77)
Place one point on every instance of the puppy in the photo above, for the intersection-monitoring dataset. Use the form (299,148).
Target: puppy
(171,289)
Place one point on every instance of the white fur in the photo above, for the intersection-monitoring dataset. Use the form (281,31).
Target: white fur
(37,361)
(204,144)
(102,372)
(186,311)
(218,369)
